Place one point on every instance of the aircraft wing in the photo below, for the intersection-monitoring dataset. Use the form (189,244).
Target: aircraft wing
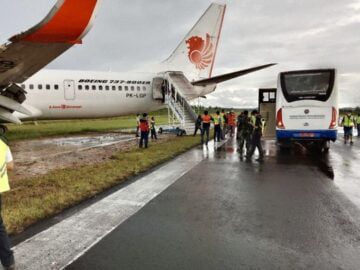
(228,76)
(28,52)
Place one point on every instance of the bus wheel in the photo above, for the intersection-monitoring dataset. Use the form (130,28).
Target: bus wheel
(326,147)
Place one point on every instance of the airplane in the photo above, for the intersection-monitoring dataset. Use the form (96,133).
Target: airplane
(28,52)
(67,94)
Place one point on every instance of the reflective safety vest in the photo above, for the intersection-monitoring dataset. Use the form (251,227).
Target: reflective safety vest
(348,121)
(358,120)
(224,119)
(217,119)
(206,119)
(231,119)
(4,180)
(253,119)
(144,125)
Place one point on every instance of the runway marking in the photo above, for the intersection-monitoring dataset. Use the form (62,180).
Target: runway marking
(66,241)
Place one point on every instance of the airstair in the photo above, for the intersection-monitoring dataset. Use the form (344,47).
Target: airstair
(176,92)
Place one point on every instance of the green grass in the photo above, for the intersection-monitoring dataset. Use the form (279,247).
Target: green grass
(36,198)
(70,127)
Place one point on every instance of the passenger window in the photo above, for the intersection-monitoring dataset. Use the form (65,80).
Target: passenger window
(87,87)
(107,88)
(93,87)
(126,88)
(56,87)
(31,86)
(100,87)
(47,87)
(80,87)
(144,88)
(113,87)
(138,88)
(23,86)
(132,88)
(40,86)
(120,88)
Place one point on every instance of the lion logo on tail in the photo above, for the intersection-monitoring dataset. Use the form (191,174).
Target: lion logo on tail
(200,51)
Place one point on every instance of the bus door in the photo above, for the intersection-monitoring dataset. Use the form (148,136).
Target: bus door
(267,109)
(69,89)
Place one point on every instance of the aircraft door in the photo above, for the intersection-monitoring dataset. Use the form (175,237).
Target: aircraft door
(267,109)
(69,89)
(157,88)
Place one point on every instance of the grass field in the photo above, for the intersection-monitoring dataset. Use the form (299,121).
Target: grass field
(68,127)
(33,199)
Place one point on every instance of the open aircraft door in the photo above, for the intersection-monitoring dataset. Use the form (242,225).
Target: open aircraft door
(267,109)
(158,88)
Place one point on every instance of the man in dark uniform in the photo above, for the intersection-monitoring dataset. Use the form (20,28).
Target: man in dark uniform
(256,137)
(244,131)
(198,124)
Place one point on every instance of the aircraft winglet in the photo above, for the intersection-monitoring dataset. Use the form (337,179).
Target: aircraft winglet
(67,22)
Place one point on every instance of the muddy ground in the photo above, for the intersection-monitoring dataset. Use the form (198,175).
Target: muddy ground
(40,156)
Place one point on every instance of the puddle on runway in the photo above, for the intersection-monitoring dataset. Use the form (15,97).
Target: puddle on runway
(89,141)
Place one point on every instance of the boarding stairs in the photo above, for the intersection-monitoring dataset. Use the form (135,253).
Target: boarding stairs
(178,94)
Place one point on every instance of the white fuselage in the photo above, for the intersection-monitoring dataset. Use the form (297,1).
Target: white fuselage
(58,94)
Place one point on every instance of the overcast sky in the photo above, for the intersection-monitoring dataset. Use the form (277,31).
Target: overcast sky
(129,34)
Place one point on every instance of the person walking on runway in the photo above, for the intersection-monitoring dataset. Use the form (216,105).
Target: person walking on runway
(244,130)
(358,124)
(217,127)
(144,131)
(348,124)
(232,123)
(198,123)
(256,137)
(206,121)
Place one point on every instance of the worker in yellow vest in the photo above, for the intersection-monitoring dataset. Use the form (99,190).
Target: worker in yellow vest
(6,164)
(358,124)
(348,123)
(217,126)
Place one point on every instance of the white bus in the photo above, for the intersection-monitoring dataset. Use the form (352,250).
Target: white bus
(307,108)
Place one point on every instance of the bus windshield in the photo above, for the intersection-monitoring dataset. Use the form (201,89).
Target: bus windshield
(315,85)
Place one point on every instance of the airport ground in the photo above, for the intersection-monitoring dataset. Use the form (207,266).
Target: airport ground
(293,205)
(209,209)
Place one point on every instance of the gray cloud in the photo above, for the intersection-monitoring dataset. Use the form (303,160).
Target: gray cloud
(129,34)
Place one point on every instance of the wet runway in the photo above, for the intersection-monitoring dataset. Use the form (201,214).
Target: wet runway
(294,211)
